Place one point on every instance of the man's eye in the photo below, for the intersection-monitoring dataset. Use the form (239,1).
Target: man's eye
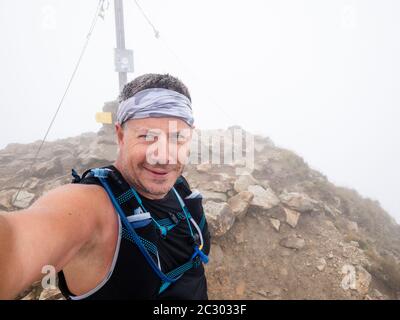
(148,137)
(179,137)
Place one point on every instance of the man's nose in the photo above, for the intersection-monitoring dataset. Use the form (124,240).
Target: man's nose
(162,152)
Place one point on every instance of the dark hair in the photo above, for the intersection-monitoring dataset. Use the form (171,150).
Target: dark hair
(153,80)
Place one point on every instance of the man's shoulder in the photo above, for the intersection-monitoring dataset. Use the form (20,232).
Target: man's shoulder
(90,199)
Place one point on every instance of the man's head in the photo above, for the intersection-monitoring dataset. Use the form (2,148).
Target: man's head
(154,138)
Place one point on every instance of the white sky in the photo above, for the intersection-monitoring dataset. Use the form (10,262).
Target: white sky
(321,78)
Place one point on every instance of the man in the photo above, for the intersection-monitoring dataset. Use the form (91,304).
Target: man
(78,229)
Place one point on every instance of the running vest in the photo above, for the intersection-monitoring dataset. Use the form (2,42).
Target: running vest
(166,238)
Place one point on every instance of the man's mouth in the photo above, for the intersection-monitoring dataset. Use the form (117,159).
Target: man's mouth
(157,171)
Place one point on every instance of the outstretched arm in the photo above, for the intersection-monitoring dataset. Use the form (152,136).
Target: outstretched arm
(50,232)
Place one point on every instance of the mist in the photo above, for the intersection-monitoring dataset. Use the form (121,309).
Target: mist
(321,78)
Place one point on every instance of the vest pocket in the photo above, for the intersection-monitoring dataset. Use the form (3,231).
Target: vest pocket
(139,220)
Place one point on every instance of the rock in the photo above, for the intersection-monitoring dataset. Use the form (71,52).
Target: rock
(47,169)
(262,293)
(50,294)
(30,296)
(31,183)
(292,242)
(354,244)
(243,182)
(23,200)
(330,255)
(216,186)
(349,280)
(298,201)
(204,167)
(240,203)
(333,212)
(352,226)
(275,223)
(220,217)
(321,264)
(265,199)
(230,193)
(6,197)
(378,295)
(363,280)
(292,217)
(357,278)
(215,196)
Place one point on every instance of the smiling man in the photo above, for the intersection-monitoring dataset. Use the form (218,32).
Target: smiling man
(130,230)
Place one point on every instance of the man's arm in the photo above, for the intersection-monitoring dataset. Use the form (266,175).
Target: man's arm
(50,232)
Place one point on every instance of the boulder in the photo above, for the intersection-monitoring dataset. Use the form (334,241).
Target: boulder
(298,201)
(276,224)
(243,182)
(240,203)
(23,200)
(216,186)
(363,280)
(292,242)
(220,217)
(265,199)
(215,196)
(292,217)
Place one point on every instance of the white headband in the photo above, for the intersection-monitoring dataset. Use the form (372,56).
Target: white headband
(156,102)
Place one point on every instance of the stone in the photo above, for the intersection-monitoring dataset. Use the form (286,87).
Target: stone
(275,223)
(352,226)
(292,242)
(50,294)
(215,196)
(292,217)
(349,280)
(31,183)
(363,280)
(216,186)
(298,201)
(265,199)
(243,182)
(240,203)
(321,264)
(378,295)
(220,217)
(204,167)
(23,200)
(6,197)
(354,244)
(47,169)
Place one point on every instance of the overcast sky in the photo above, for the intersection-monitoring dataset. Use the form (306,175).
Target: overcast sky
(321,78)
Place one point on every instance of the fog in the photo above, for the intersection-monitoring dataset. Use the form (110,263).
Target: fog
(321,78)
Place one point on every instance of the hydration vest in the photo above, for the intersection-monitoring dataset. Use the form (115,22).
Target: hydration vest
(139,269)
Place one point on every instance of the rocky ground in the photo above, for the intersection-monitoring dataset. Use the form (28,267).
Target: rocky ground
(282,231)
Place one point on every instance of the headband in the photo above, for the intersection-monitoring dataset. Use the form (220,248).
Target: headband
(156,102)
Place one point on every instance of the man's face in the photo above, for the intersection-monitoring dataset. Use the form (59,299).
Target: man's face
(153,152)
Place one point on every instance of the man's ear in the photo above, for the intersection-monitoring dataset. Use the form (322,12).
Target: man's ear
(119,132)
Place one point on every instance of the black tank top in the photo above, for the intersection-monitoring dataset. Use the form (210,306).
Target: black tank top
(130,276)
